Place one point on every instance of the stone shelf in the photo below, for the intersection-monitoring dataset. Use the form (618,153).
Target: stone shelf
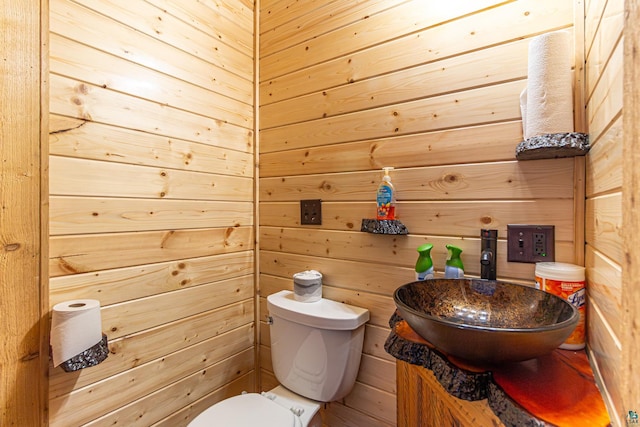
(553,145)
(554,390)
(383,226)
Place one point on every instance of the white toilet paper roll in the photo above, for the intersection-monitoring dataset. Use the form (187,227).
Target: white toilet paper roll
(75,326)
(307,286)
(549,95)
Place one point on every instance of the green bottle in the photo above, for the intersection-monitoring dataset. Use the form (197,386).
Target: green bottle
(453,267)
(424,264)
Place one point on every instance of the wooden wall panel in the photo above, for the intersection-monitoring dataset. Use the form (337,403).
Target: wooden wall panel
(496,26)
(430,217)
(91,65)
(605,282)
(97,103)
(342,38)
(135,316)
(631,290)
(433,92)
(606,99)
(76,138)
(118,180)
(286,18)
(604,191)
(475,144)
(114,286)
(604,161)
(457,73)
(462,109)
(75,22)
(152,20)
(228,20)
(506,180)
(24,325)
(604,225)
(398,251)
(152,201)
(91,252)
(79,215)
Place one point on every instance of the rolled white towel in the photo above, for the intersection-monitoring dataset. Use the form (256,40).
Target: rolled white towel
(549,92)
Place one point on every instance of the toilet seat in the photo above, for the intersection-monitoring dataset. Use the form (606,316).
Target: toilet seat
(247,410)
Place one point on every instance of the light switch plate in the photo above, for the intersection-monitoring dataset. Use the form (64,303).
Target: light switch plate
(530,243)
(311,212)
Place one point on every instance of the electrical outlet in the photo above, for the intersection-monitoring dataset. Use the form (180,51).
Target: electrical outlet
(530,243)
(539,244)
(311,212)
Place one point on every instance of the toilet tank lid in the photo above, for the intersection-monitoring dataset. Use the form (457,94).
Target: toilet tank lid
(322,314)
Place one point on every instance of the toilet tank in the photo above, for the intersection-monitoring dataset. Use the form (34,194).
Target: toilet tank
(316,346)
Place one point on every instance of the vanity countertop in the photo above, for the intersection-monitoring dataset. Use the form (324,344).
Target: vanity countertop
(557,389)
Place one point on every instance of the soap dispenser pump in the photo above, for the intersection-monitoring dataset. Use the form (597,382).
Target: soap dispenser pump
(454,269)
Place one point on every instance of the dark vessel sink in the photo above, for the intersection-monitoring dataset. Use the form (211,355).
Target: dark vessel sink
(486,321)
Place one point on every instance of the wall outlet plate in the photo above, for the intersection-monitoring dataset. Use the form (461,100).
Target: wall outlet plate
(311,212)
(530,243)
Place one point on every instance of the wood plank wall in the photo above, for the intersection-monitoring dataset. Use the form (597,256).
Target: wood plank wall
(430,88)
(631,213)
(152,203)
(24,302)
(604,257)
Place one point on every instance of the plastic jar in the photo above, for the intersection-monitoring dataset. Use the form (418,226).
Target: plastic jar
(566,281)
(307,286)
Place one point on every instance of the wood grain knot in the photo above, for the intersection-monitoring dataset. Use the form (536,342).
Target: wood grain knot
(12,247)
(451,178)
(82,88)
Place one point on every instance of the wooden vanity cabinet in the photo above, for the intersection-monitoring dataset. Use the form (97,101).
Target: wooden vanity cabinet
(422,402)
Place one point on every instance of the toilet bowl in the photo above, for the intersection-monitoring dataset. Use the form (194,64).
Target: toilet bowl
(315,351)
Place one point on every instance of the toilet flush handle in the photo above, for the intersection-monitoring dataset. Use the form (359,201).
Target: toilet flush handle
(269,320)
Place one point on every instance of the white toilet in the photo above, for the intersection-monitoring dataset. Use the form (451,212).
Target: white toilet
(315,351)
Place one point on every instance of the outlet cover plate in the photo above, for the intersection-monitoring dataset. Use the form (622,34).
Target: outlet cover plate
(311,212)
(530,243)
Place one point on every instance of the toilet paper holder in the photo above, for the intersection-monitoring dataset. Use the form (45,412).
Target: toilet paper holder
(90,357)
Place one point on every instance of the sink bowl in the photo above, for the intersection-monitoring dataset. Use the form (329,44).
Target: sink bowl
(486,321)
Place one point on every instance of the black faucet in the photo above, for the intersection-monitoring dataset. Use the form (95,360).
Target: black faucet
(488,254)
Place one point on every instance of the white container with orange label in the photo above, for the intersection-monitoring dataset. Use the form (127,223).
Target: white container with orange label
(566,281)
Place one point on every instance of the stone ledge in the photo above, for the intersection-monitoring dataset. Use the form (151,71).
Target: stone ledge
(385,226)
(553,145)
